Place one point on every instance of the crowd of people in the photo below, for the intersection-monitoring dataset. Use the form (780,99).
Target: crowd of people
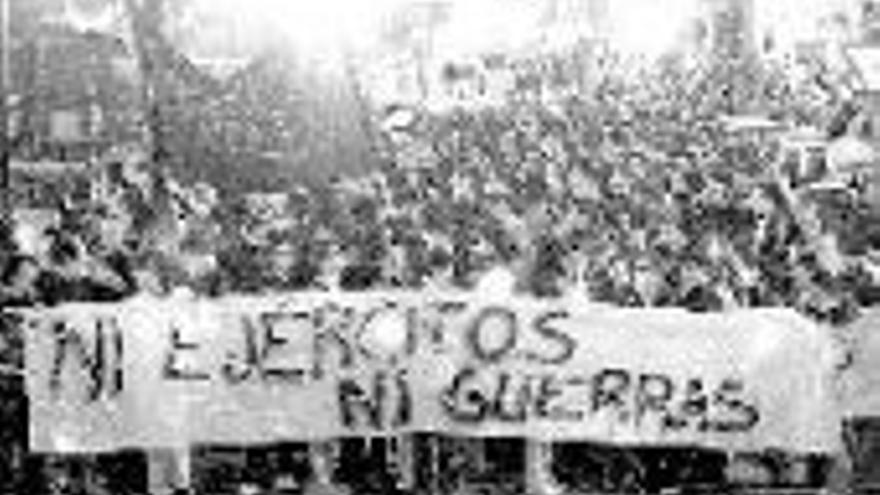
(637,193)
(637,196)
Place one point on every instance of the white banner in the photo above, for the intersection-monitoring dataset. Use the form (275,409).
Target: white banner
(153,373)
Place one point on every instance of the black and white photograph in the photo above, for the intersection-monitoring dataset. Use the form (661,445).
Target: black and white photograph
(439,247)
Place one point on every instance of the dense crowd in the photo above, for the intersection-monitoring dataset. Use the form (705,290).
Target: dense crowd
(637,196)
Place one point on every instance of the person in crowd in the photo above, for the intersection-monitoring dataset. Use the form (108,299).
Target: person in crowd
(321,481)
(72,274)
(285,484)
(249,488)
(20,282)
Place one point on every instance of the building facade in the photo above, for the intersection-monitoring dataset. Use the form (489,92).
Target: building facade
(76,93)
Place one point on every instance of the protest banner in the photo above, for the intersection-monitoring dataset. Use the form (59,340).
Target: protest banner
(165,373)
(860,377)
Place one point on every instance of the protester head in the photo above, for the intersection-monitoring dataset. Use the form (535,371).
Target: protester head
(321,460)
(286,484)
(249,488)
(20,278)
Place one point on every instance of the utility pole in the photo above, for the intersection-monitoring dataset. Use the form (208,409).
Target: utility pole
(145,18)
(5,142)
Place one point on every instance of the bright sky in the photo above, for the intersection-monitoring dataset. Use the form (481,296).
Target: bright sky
(649,27)
(489,24)
(307,22)
(637,26)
